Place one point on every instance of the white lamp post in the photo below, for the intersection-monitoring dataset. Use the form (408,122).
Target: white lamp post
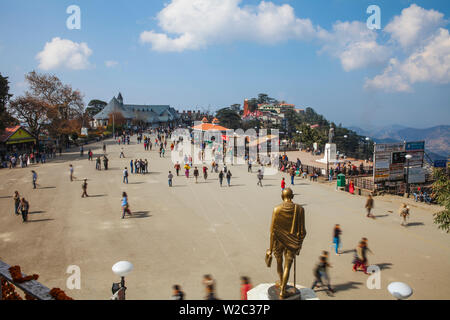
(400,290)
(122,268)
(408,157)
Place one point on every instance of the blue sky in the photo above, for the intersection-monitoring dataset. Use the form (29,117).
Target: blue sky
(200,53)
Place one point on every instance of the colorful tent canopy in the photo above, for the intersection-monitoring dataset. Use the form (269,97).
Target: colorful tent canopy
(209,127)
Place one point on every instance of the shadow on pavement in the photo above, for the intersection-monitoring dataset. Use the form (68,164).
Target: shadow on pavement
(40,220)
(140,215)
(414,224)
(384,266)
(346,286)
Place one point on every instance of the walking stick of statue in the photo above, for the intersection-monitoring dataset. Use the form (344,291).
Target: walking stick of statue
(295,273)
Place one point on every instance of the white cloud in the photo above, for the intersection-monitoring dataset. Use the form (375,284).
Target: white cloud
(414,26)
(194,24)
(354,45)
(430,63)
(64,53)
(111,63)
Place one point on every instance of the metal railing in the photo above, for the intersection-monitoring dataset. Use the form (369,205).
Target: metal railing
(32,288)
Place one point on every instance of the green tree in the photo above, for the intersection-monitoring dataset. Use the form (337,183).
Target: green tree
(5,117)
(229,118)
(441,188)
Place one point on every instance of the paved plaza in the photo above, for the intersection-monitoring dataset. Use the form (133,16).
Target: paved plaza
(176,235)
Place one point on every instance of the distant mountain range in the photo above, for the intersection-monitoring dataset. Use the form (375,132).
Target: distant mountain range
(437,139)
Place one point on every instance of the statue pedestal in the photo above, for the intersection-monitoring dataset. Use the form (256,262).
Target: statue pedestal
(330,154)
(268,291)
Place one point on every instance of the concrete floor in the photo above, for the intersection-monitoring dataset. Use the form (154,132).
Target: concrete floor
(178,234)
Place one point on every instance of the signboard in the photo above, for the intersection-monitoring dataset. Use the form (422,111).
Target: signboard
(416,175)
(417,158)
(390,160)
(20,136)
(398,157)
(440,163)
(412,146)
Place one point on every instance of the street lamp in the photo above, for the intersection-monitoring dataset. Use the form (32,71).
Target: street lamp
(121,269)
(400,290)
(408,157)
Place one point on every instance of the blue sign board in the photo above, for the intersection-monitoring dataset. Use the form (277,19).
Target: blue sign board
(411,146)
(440,163)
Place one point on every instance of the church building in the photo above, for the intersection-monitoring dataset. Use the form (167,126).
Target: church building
(152,115)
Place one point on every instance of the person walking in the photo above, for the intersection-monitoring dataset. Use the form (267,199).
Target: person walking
(105,162)
(177,293)
(170,178)
(16,202)
(131,165)
(90,155)
(125,205)
(71,172)
(24,207)
(104,148)
(221,177)
(98,164)
(34,177)
(177,168)
(196,173)
(321,274)
(283,184)
(292,174)
(229,175)
(337,238)
(404,214)
(84,188)
(125,175)
(366,250)
(369,206)
(186,172)
(205,172)
(122,155)
(260,177)
(245,287)
(210,287)
(359,260)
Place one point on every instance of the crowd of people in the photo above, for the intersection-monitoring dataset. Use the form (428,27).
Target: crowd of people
(293,169)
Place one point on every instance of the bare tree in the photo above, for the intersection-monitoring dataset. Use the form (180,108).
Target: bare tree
(65,105)
(31,111)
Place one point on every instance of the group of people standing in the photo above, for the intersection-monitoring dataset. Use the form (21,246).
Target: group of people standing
(139,166)
(21,206)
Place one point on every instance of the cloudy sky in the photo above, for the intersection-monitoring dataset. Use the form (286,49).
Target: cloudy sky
(213,53)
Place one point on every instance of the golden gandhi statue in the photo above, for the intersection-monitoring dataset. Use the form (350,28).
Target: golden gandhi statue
(287,232)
